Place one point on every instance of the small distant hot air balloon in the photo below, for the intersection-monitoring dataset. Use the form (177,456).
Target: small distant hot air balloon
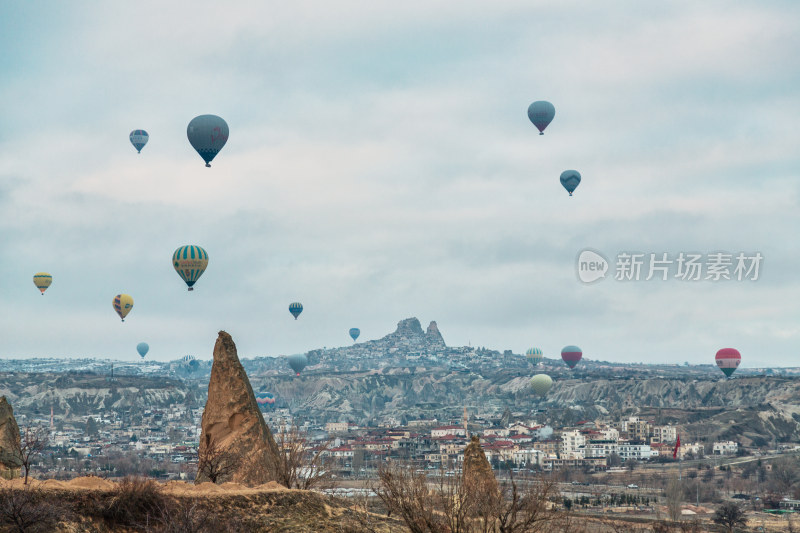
(187,359)
(207,134)
(354,333)
(728,360)
(541,383)
(298,362)
(190,262)
(138,139)
(570,179)
(295,308)
(534,355)
(142,348)
(571,355)
(265,398)
(541,114)
(42,280)
(123,303)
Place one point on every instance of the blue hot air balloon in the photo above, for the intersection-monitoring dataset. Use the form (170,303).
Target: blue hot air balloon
(298,362)
(138,139)
(295,308)
(207,134)
(541,114)
(570,179)
(142,348)
(354,333)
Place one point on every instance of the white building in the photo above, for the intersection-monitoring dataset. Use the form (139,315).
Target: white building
(527,457)
(637,452)
(725,448)
(665,434)
(448,430)
(601,448)
(572,444)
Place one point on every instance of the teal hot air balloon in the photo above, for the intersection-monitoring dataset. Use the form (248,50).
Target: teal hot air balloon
(570,179)
(541,114)
(295,308)
(354,333)
(298,362)
(541,383)
(142,348)
(207,134)
(138,139)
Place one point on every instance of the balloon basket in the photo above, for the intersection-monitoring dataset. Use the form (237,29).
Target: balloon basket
(191,288)
(208,165)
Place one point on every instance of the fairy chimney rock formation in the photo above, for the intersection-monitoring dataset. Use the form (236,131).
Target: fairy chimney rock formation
(477,470)
(10,463)
(232,422)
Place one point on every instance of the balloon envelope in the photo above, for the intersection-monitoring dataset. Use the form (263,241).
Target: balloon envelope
(295,308)
(570,179)
(138,139)
(207,134)
(541,114)
(42,280)
(541,383)
(265,398)
(123,303)
(142,348)
(728,360)
(571,355)
(298,362)
(190,262)
(354,333)
(534,355)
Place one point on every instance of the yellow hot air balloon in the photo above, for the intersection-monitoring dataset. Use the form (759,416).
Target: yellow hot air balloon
(42,280)
(123,303)
(541,383)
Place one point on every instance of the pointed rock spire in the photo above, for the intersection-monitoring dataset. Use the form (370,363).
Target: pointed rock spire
(232,421)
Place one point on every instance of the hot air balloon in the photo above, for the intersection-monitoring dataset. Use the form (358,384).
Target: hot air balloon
(42,280)
(298,362)
(534,355)
(295,308)
(138,139)
(354,333)
(541,114)
(123,303)
(207,134)
(541,383)
(265,398)
(190,262)
(187,359)
(570,179)
(728,360)
(571,355)
(142,348)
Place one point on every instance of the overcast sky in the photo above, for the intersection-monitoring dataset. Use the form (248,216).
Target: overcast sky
(381,165)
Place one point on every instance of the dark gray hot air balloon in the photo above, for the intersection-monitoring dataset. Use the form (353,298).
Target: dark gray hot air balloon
(541,114)
(298,362)
(354,333)
(207,134)
(570,179)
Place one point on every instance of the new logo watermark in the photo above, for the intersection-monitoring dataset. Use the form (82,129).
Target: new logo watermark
(592,266)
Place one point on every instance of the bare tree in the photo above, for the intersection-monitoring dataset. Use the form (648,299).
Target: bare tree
(673,495)
(406,493)
(300,466)
(216,462)
(730,515)
(32,443)
(527,509)
(28,510)
(454,504)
